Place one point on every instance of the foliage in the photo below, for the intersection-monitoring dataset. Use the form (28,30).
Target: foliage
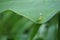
(29,19)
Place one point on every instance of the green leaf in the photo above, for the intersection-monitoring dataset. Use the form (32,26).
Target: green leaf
(52,28)
(13,25)
(49,30)
(33,31)
(28,8)
(18,15)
